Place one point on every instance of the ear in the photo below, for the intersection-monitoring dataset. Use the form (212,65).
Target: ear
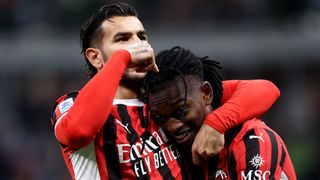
(95,57)
(207,92)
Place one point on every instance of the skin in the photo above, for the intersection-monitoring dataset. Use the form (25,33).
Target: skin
(124,33)
(181,118)
(128,33)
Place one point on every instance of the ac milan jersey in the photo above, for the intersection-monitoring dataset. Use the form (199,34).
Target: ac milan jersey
(101,141)
(252,151)
(127,147)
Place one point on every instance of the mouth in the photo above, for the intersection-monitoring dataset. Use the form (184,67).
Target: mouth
(183,136)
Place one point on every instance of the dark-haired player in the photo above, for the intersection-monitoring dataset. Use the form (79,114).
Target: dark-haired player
(184,92)
(103,129)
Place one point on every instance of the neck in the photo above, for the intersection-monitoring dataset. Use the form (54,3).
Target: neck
(125,92)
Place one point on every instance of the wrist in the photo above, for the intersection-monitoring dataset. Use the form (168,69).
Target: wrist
(124,55)
(212,121)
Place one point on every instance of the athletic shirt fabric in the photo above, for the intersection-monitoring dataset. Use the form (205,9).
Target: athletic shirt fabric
(117,151)
(252,151)
(105,138)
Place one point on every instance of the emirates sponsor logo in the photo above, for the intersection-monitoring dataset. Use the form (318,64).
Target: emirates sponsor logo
(150,157)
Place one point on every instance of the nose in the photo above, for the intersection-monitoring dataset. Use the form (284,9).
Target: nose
(136,39)
(173,125)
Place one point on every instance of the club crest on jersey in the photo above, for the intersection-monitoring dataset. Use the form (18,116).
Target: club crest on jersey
(65,105)
(221,175)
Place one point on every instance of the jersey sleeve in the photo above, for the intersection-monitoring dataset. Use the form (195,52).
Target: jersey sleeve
(242,100)
(77,120)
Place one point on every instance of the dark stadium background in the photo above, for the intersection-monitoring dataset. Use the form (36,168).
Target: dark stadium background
(40,60)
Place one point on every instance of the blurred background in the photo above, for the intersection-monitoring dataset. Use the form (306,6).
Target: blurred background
(40,60)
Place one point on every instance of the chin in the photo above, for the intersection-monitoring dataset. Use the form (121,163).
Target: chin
(134,80)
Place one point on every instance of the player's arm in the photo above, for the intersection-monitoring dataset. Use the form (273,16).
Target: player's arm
(77,120)
(77,126)
(242,100)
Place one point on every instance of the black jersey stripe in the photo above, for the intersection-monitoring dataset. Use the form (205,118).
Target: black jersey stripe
(183,166)
(232,166)
(110,149)
(142,117)
(213,167)
(274,153)
(132,137)
(125,118)
(54,119)
(252,149)
(283,157)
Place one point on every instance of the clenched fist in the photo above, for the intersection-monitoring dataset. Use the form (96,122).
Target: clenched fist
(207,143)
(142,57)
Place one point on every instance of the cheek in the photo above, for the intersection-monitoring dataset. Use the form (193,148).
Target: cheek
(197,115)
(110,48)
(195,118)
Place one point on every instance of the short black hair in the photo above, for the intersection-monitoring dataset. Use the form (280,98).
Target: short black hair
(91,32)
(179,62)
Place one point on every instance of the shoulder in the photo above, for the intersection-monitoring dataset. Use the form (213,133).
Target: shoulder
(254,148)
(63,104)
(62,98)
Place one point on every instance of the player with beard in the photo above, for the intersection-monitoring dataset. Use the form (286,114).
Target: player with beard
(185,91)
(104,130)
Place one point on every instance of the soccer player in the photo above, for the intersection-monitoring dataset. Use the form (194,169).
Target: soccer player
(184,92)
(104,131)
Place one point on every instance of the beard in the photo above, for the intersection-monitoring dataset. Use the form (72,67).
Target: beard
(131,81)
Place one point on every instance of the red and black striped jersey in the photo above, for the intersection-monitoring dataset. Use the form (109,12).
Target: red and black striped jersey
(252,151)
(104,141)
(127,147)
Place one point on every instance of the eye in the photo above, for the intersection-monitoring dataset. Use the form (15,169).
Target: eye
(122,39)
(181,112)
(143,37)
(158,119)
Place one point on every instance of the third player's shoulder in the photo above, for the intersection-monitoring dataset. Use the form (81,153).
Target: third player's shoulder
(247,130)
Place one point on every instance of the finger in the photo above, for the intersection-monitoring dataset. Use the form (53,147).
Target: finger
(155,68)
(195,158)
(145,69)
(195,155)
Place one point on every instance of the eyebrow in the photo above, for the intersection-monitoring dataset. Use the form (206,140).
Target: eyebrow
(161,99)
(122,34)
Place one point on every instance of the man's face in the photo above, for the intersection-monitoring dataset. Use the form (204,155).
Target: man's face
(181,118)
(120,32)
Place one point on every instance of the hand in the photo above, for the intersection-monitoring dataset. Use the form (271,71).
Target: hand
(207,143)
(142,57)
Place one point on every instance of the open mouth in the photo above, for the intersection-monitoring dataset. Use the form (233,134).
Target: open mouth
(183,136)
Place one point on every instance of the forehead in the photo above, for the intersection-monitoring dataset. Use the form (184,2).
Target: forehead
(173,94)
(118,24)
(170,94)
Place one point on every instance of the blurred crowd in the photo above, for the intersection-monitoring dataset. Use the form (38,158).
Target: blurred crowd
(265,39)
